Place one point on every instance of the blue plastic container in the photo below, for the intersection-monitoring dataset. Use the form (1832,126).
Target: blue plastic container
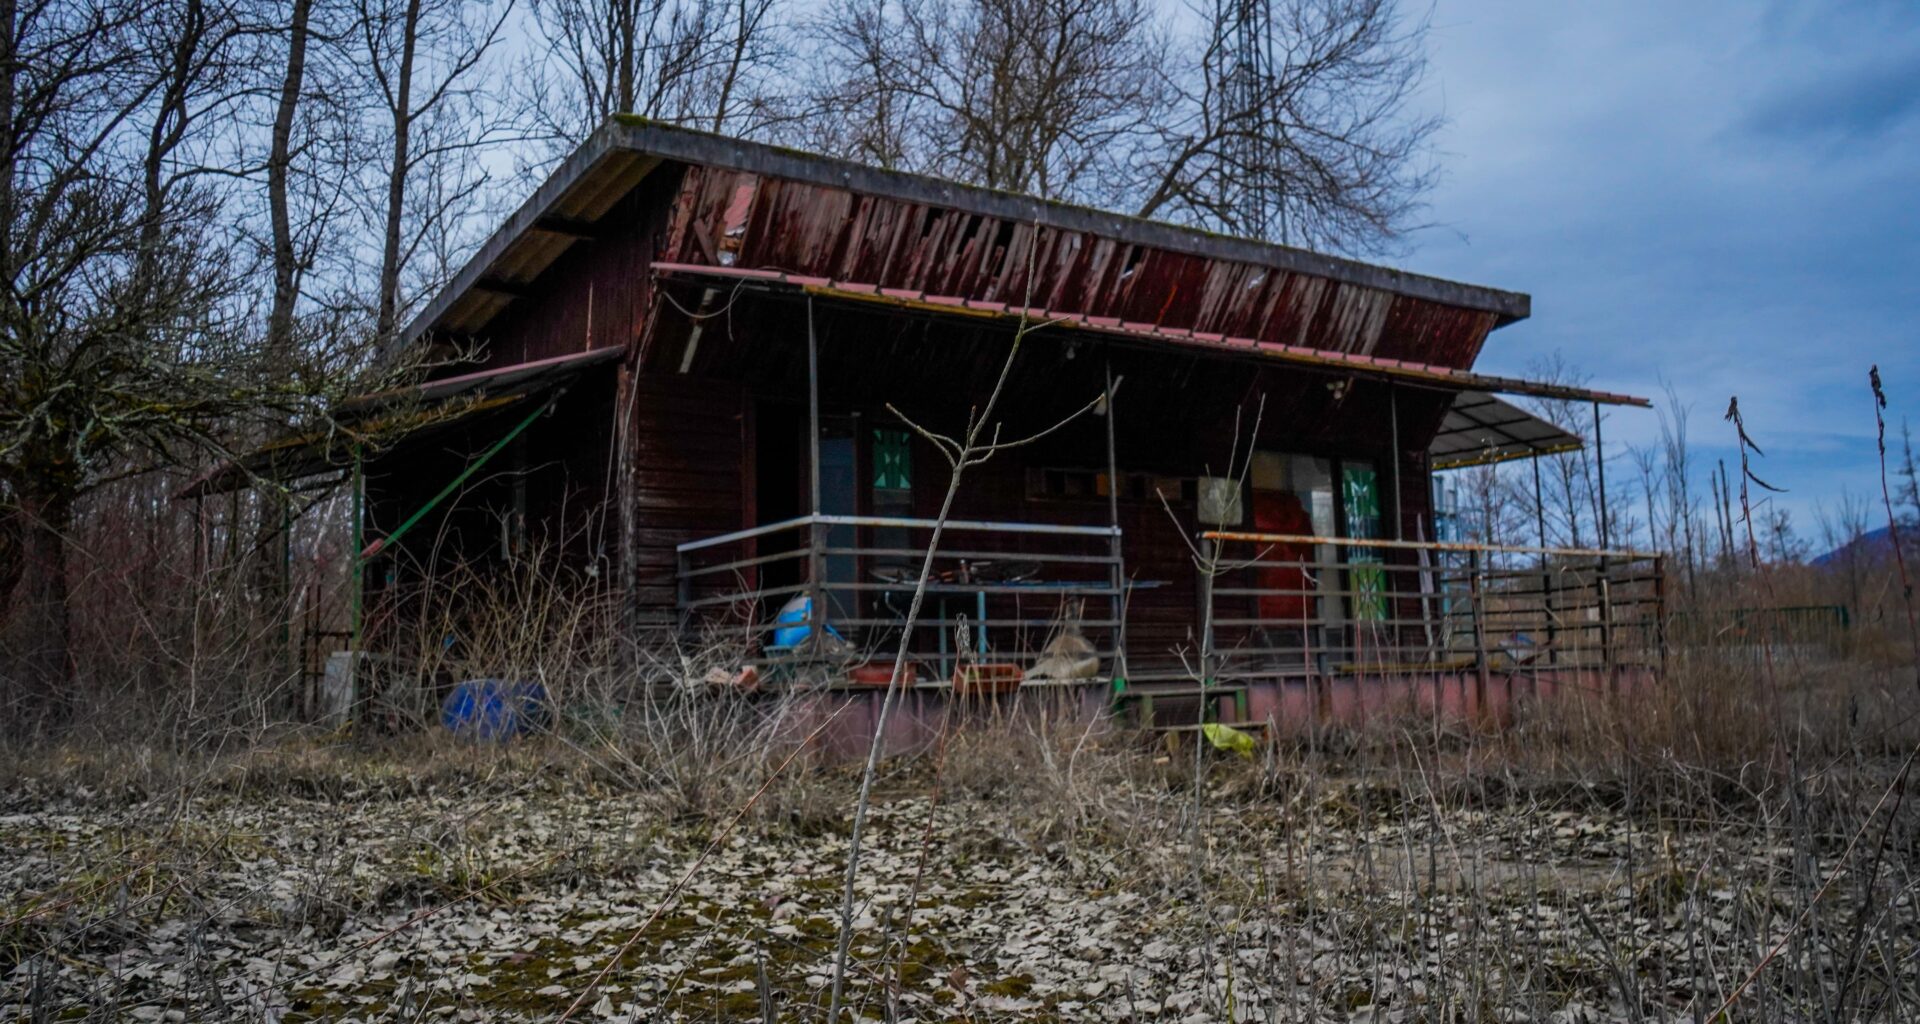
(791,626)
(492,710)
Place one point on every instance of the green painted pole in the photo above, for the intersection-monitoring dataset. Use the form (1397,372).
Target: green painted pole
(371,551)
(356,569)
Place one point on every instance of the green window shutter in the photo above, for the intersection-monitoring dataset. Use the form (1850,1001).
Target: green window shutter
(1365,576)
(892,460)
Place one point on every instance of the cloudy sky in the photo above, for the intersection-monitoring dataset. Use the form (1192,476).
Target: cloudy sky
(1718,197)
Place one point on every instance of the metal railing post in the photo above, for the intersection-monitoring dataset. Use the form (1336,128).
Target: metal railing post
(1119,604)
(1477,602)
(1660,610)
(816,590)
(1603,588)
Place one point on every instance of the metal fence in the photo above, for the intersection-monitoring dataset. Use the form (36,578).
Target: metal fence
(1290,605)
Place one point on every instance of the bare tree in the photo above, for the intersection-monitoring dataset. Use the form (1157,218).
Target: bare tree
(1285,119)
(1682,507)
(1051,97)
(120,345)
(426,64)
(286,259)
(1297,124)
(711,64)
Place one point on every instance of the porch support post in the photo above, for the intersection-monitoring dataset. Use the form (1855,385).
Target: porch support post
(1393,416)
(813,411)
(1119,602)
(816,564)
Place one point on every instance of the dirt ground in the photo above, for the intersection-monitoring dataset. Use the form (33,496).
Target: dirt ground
(503,892)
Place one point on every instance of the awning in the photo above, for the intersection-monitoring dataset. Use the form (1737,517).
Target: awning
(383,421)
(1427,374)
(1481,428)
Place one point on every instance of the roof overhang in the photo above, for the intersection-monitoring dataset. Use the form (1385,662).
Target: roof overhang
(382,422)
(1423,374)
(616,157)
(1481,429)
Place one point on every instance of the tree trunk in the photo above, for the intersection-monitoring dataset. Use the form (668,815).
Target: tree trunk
(624,58)
(279,161)
(38,638)
(271,584)
(389,311)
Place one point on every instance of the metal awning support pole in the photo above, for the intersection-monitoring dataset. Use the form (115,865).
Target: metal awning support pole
(1546,573)
(1539,512)
(816,532)
(1606,539)
(286,576)
(1600,461)
(1119,566)
(356,567)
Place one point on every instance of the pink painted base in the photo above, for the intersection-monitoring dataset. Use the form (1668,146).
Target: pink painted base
(839,724)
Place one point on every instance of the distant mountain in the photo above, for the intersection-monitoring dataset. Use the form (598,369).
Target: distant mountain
(1872,546)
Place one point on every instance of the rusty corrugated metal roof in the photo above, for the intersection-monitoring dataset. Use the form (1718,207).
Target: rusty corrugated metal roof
(751,205)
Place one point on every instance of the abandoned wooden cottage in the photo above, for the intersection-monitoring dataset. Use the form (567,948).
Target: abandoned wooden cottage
(700,368)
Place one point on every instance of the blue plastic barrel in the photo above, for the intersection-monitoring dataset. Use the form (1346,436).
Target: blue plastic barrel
(492,710)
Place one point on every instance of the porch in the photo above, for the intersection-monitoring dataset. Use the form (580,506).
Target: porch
(1288,629)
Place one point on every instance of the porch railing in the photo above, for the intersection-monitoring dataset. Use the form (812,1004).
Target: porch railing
(997,594)
(1291,605)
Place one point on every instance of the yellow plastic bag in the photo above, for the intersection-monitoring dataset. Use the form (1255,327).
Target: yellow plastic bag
(1227,738)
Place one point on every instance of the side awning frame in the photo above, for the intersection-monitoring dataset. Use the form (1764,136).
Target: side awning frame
(381,422)
(1482,428)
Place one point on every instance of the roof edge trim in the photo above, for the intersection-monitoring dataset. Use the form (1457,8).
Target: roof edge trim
(1442,377)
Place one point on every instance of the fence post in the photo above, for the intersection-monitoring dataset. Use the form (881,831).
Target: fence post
(1477,603)
(1603,586)
(1660,610)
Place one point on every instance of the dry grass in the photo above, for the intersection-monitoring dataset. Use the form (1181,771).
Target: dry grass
(1739,834)
(1633,860)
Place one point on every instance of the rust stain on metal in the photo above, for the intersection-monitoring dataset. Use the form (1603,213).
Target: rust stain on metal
(913,298)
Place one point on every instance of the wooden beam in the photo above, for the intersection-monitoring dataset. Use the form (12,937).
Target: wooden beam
(567,226)
(499,286)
